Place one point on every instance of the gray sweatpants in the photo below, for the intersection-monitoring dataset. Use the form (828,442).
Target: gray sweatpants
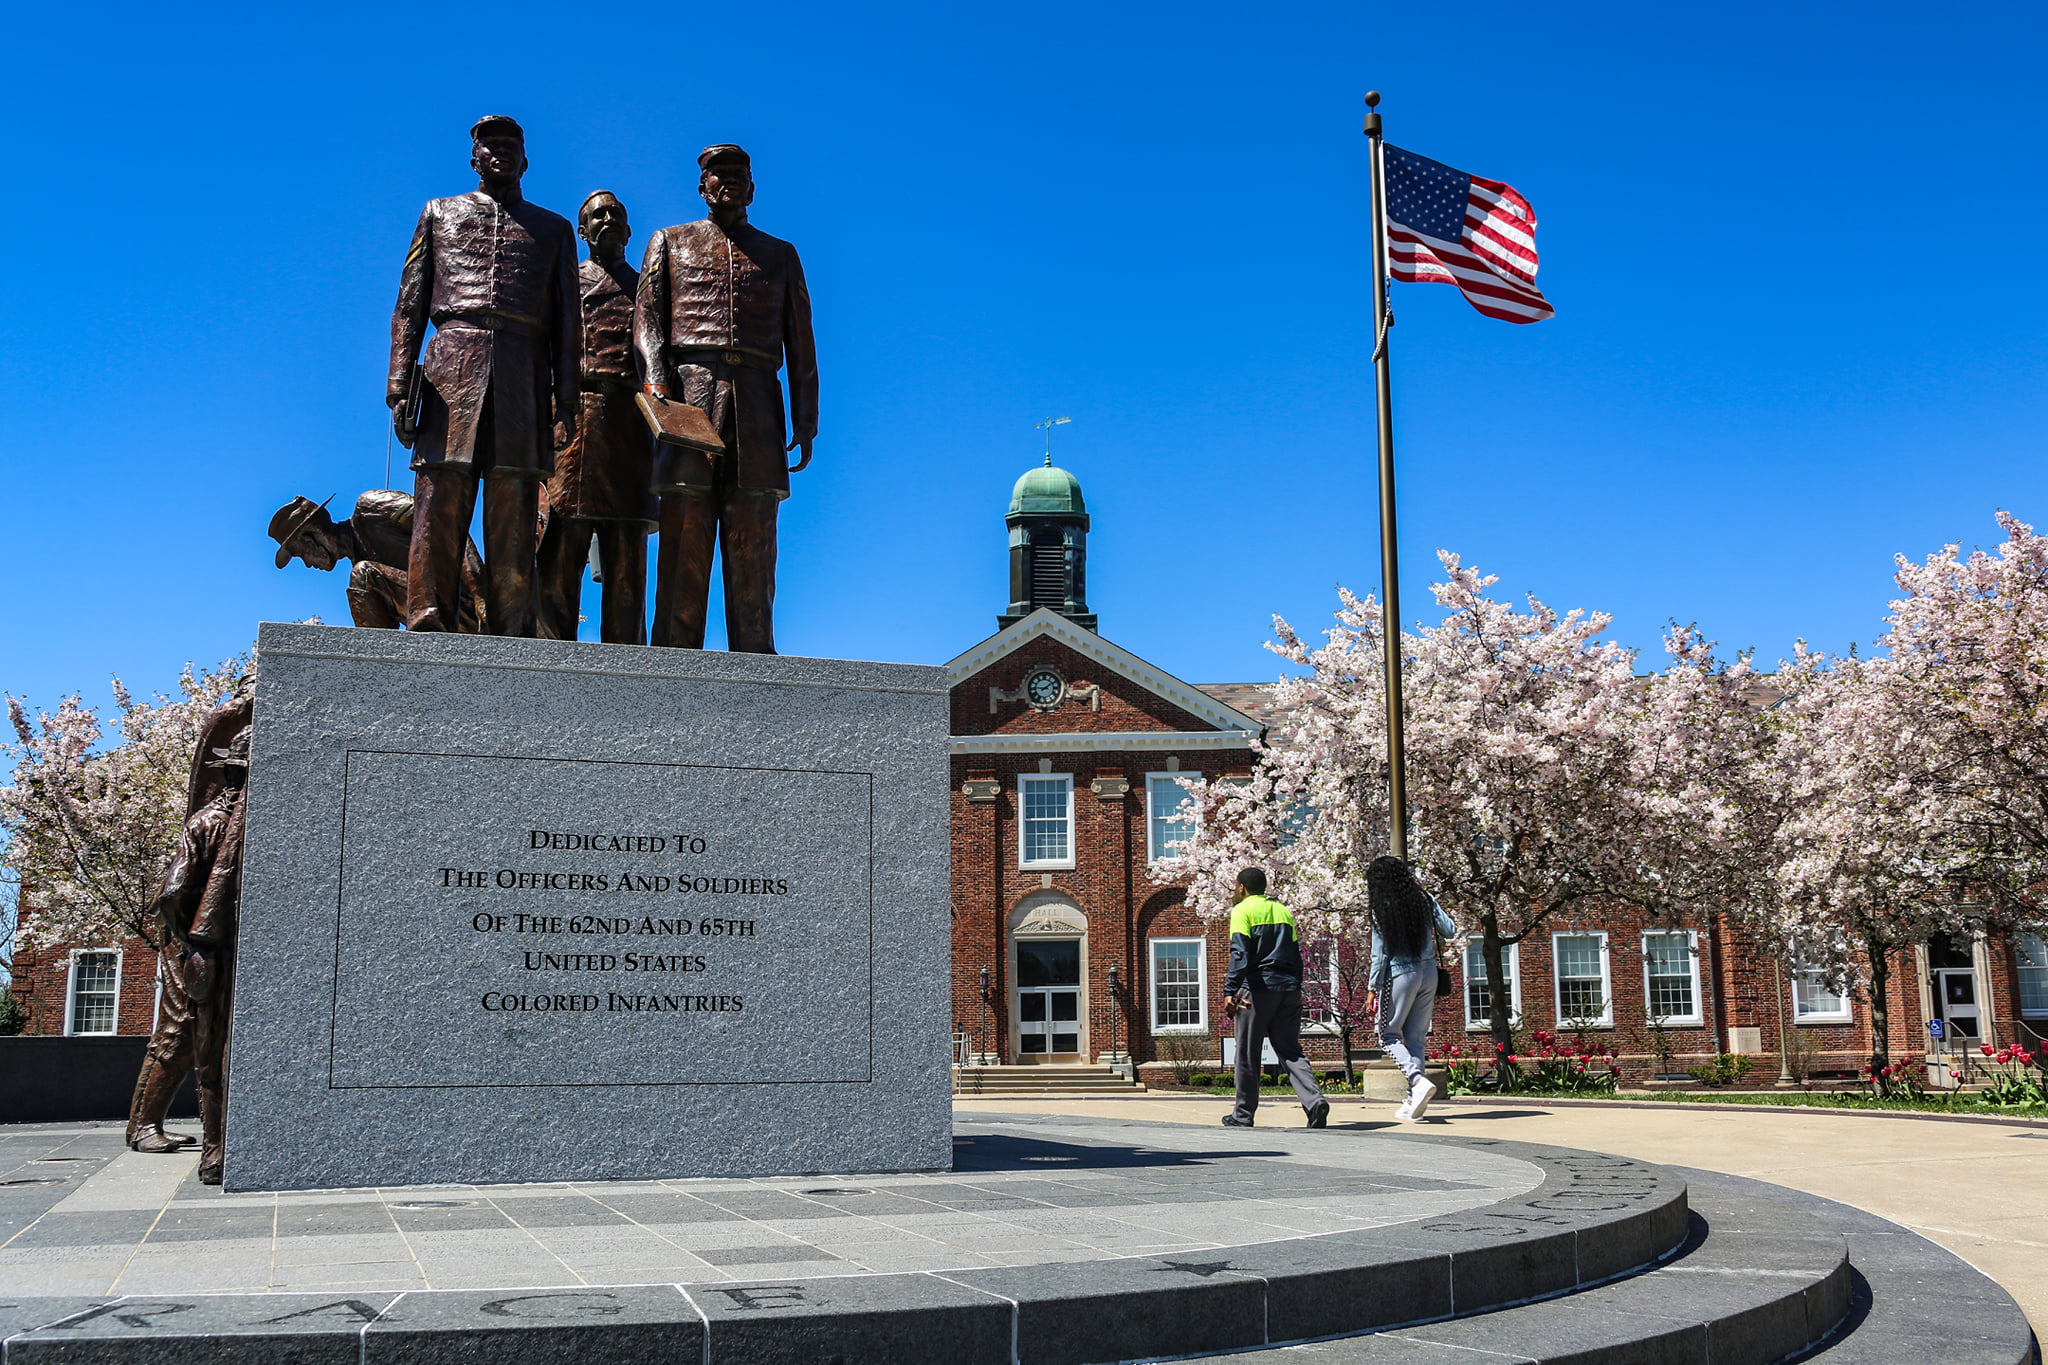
(1405,1007)
(1275,1016)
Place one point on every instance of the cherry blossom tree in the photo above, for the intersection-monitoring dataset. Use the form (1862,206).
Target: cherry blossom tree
(1336,984)
(1967,655)
(1543,775)
(89,829)
(1867,861)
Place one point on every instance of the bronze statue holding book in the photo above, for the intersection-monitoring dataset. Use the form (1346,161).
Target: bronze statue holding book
(722,308)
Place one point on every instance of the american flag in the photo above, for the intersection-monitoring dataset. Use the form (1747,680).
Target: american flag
(1447,227)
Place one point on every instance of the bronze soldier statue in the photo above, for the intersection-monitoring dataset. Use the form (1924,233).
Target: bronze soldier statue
(378,539)
(496,276)
(722,307)
(601,484)
(197,904)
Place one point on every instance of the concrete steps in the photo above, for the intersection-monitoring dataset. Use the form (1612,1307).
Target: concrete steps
(1765,1275)
(974,1081)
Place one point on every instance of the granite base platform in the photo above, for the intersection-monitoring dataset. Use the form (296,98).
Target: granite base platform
(1054,1240)
(519,910)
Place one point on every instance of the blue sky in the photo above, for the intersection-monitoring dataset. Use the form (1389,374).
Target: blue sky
(1798,325)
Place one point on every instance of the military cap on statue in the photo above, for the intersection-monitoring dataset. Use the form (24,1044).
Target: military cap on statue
(496,125)
(724,154)
(291,519)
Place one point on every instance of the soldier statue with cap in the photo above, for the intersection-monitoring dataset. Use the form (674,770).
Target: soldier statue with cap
(198,903)
(603,476)
(722,307)
(497,388)
(377,539)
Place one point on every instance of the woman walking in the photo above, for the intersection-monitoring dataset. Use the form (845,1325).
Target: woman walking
(1407,924)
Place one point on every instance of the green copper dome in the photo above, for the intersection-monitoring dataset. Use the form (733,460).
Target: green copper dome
(1047,490)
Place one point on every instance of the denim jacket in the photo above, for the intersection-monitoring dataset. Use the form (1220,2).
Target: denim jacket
(1386,967)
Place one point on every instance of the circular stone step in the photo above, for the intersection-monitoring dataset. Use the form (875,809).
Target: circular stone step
(1061,1239)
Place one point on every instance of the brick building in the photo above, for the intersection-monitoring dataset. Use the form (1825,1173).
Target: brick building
(1066,750)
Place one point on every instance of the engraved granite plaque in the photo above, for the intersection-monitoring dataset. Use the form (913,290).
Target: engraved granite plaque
(537,910)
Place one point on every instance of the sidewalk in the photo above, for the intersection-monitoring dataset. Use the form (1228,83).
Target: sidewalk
(1971,1187)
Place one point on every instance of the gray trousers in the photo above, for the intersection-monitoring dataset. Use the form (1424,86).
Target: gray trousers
(1405,1009)
(1274,1016)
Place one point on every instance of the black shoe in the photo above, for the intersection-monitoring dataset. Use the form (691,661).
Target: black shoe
(1319,1117)
(1233,1121)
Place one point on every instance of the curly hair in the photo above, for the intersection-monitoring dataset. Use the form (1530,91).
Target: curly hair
(1401,909)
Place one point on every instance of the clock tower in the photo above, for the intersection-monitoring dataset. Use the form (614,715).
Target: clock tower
(1048,547)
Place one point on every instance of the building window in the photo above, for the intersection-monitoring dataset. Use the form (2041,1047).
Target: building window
(1479,1000)
(1170,813)
(1180,977)
(1046,832)
(2031,954)
(1671,978)
(1814,1000)
(95,991)
(1582,994)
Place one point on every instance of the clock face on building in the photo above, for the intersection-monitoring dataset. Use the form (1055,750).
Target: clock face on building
(1043,688)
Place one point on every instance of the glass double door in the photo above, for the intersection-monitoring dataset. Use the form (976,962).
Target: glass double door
(1049,1000)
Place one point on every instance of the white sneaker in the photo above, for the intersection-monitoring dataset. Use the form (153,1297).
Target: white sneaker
(1419,1096)
(1405,1111)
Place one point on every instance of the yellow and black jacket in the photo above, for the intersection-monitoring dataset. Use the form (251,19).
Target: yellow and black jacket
(1263,953)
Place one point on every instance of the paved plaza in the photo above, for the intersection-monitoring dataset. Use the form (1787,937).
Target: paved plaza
(1972,1187)
(80,1215)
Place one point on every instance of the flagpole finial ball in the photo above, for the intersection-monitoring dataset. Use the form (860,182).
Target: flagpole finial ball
(1372,99)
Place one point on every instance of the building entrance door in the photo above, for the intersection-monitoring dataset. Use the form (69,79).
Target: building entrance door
(1950,963)
(1048,1000)
(1955,1003)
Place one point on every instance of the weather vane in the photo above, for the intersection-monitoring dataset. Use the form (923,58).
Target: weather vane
(1046,426)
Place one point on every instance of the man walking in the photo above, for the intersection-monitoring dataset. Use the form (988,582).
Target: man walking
(1262,994)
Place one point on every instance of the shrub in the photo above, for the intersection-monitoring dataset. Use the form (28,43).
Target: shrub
(1182,1053)
(1726,1069)
(1202,1079)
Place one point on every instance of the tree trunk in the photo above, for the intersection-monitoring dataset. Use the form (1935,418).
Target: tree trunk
(1344,1040)
(1499,1011)
(1880,1012)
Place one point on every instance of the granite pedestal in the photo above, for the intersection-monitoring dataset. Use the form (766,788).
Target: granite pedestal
(549,910)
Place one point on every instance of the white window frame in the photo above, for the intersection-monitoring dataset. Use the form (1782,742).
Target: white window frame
(1022,825)
(1844,1015)
(1325,1025)
(71,994)
(1559,1018)
(1152,984)
(1152,855)
(1512,960)
(2020,966)
(1698,1018)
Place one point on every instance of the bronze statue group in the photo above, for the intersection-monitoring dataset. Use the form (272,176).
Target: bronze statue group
(527,399)
(538,392)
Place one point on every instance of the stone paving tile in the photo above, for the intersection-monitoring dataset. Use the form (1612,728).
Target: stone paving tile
(755,1255)
(62,1278)
(339,1250)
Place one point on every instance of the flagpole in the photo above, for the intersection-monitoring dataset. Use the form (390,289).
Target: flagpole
(1390,573)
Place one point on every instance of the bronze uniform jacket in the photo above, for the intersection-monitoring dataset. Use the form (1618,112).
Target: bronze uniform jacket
(717,316)
(498,282)
(604,474)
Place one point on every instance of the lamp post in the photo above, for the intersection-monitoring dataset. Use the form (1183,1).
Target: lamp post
(1112,1010)
(1785,1078)
(983,1060)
